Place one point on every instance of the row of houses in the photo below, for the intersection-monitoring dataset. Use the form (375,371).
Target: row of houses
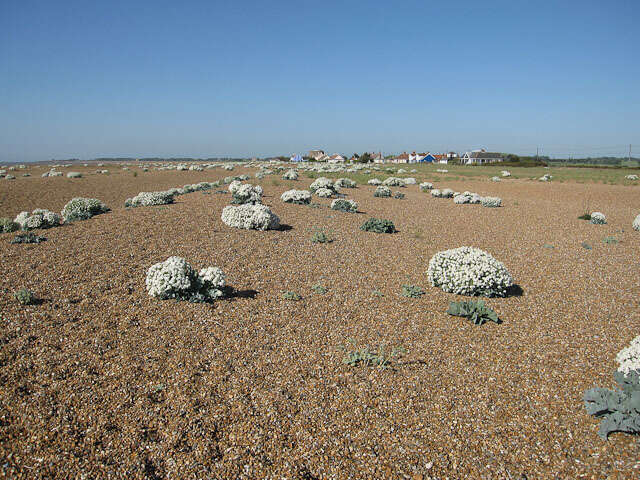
(480,156)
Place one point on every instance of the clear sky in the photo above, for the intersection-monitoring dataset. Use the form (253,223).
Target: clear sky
(205,78)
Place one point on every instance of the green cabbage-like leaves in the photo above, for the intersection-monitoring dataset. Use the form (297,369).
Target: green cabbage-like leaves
(476,311)
(620,409)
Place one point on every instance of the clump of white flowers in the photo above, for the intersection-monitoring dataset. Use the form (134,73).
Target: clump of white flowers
(344,205)
(393,182)
(401,170)
(234,185)
(322,182)
(247,194)
(228,167)
(426,186)
(495,179)
(491,202)
(175,278)
(598,218)
(290,175)
(302,197)
(631,177)
(374,181)
(506,173)
(39,218)
(636,223)
(345,183)
(410,181)
(469,271)
(250,217)
(629,358)
(436,193)
(74,175)
(546,178)
(446,193)
(146,199)
(467,197)
(442,170)
(382,191)
(79,208)
(324,192)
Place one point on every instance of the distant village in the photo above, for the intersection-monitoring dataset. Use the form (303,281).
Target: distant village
(474,157)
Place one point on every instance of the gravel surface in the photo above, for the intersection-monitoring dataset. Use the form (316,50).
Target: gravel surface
(100,380)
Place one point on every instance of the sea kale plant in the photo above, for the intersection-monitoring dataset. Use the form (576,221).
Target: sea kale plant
(345,183)
(382,191)
(7,225)
(301,197)
(393,182)
(469,271)
(476,311)
(39,218)
(28,237)
(398,195)
(319,236)
(146,199)
(324,192)
(175,278)
(250,217)
(290,175)
(344,205)
(82,209)
(374,181)
(25,297)
(598,218)
(426,186)
(467,197)
(322,183)
(491,202)
(247,194)
(370,358)
(412,291)
(378,225)
(636,223)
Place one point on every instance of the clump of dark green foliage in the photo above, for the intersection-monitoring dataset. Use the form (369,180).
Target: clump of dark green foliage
(24,296)
(398,195)
(586,246)
(610,240)
(585,216)
(7,225)
(319,289)
(377,293)
(320,237)
(620,409)
(476,311)
(28,237)
(378,225)
(290,295)
(370,358)
(343,206)
(411,291)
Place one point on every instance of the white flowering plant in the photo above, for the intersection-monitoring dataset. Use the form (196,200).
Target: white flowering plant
(322,183)
(382,191)
(324,192)
(146,199)
(636,223)
(290,175)
(598,218)
(629,357)
(491,202)
(80,208)
(410,181)
(374,181)
(393,182)
(301,197)
(250,217)
(247,193)
(426,186)
(345,183)
(39,218)
(467,197)
(469,271)
(175,278)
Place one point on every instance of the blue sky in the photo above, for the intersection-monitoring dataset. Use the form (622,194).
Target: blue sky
(205,78)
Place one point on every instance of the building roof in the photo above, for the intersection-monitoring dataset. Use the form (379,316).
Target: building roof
(404,156)
(440,156)
(485,155)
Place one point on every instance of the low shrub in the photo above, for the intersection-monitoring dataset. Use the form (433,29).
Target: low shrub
(491,202)
(319,289)
(426,186)
(250,217)
(290,175)
(374,181)
(7,225)
(344,205)
(378,225)
(322,183)
(82,209)
(345,183)
(467,197)
(28,237)
(175,278)
(290,295)
(320,237)
(39,218)
(412,291)
(398,195)
(636,223)
(393,182)
(300,197)
(410,181)
(147,199)
(382,191)
(74,175)
(25,297)
(598,218)
(469,271)
(477,312)
(324,192)
(247,194)
(585,216)
(369,358)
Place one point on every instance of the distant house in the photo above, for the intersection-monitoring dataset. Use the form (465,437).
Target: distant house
(335,158)
(316,154)
(479,157)
(404,158)
(377,157)
(296,158)
(428,158)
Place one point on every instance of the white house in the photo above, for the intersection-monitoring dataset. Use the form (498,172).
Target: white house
(335,158)
(478,157)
